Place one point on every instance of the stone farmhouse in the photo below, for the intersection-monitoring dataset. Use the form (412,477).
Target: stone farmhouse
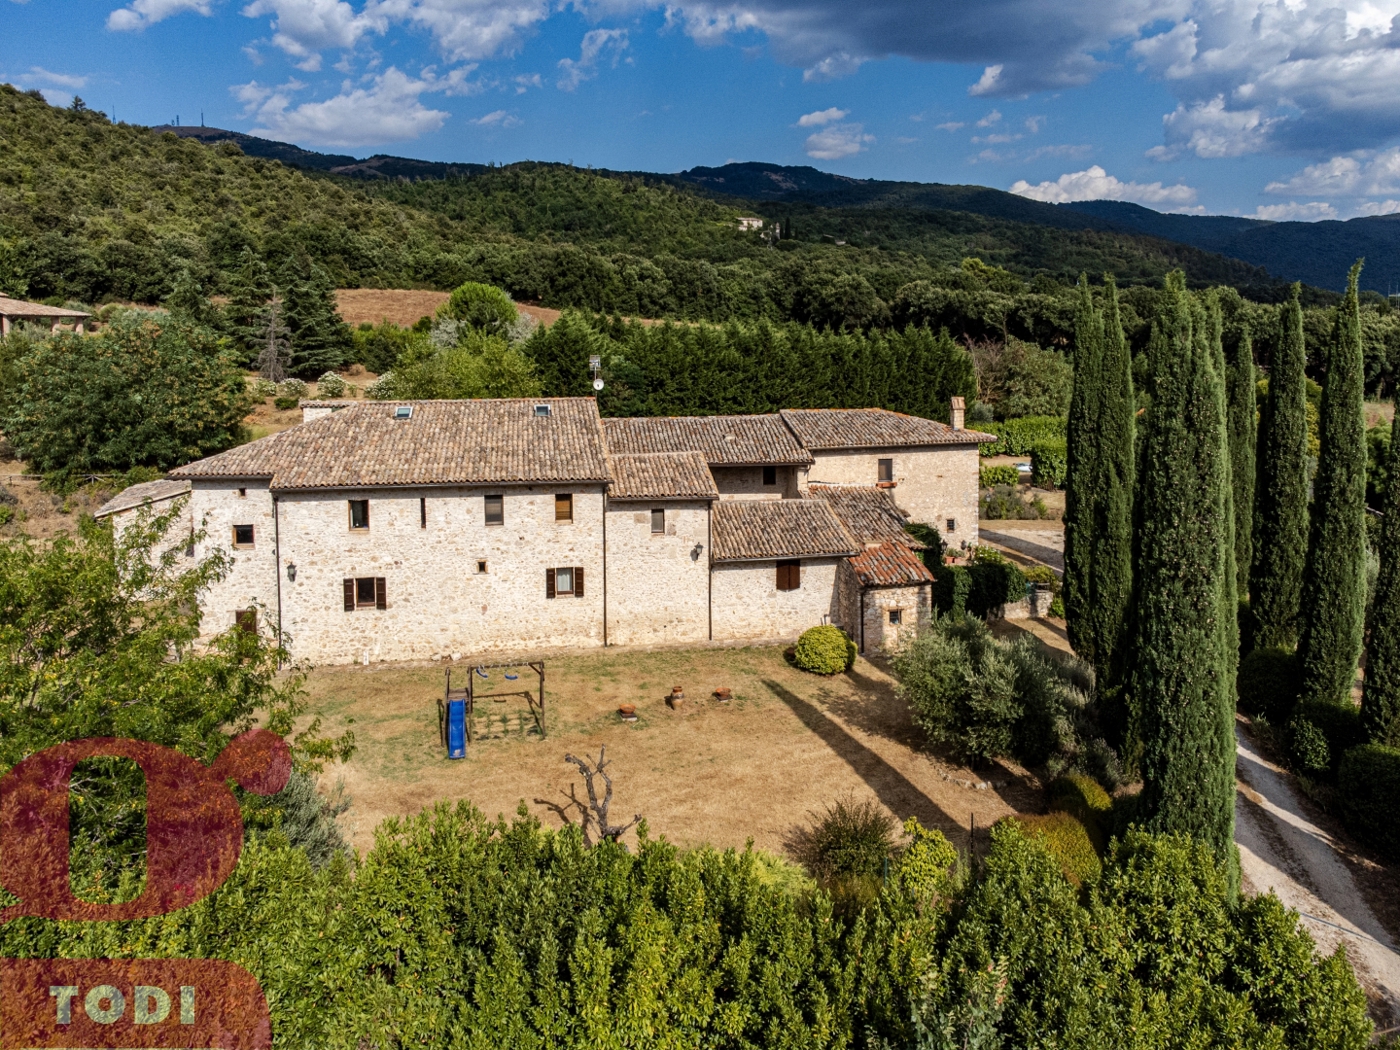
(409,530)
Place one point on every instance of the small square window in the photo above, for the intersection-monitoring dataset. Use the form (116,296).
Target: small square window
(542,410)
(242,493)
(359,513)
(770,475)
(563,581)
(243,535)
(481,567)
(364,590)
(403,411)
(885,470)
(952,524)
(896,616)
(495,510)
(564,507)
(658,522)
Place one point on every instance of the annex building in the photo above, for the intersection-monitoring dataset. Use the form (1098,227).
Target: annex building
(381,530)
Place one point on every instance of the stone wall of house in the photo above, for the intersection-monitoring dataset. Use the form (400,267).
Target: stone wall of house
(177,535)
(932,485)
(251,582)
(748,604)
(913,604)
(747,483)
(658,583)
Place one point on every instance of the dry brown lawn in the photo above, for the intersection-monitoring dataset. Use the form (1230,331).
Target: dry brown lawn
(788,744)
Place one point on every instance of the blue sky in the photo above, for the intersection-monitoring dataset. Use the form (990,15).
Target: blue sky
(1275,108)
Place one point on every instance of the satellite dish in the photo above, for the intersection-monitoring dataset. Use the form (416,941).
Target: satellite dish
(597,384)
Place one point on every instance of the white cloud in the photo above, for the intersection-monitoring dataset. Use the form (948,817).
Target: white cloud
(304,28)
(142,13)
(837,141)
(1210,130)
(1096,184)
(1034,124)
(991,118)
(467,30)
(499,119)
(1309,212)
(841,64)
(525,83)
(61,79)
(389,110)
(1000,138)
(952,125)
(821,116)
(1389,207)
(596,43)
(1354,176)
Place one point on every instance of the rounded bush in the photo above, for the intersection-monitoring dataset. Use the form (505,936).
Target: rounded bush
(286,402)
(1085,799)
(825,650)
(1067,840)
(331,385)
(1268,684)
(293,388)
(1369,782)
(483,307)
(850,838)
(1307,746)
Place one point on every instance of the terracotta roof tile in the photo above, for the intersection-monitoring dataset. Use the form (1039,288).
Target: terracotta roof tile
(868,514)
(757,529)
(20,308)
(441,443)
(890,565)
(661,476)
(139,495)
(726,441)
(833,428)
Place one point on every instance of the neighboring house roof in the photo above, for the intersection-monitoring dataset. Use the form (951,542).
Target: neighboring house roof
(759,529)
(726,441)
(20,308)
(441,443)
(868,514)
(661,476)
(890,565)
(821,429)
(141,495)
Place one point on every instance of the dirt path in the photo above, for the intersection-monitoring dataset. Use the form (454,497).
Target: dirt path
(1282,850)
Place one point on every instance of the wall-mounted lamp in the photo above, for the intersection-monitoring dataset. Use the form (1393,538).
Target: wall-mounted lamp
(292,571)
(695,553)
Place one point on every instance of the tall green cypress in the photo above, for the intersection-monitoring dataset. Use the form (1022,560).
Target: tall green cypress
(1183,662)
(1380,700)
(1082,475)
(1239,393)
(1334,577)
(1281,492)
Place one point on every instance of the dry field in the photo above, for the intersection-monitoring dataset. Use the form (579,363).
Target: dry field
(786,745)
(407,306)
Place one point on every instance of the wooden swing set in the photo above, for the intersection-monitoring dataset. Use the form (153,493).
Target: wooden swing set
(470,695)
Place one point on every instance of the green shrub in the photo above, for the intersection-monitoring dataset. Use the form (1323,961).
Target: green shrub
(1043,576)
(331,385)
(292,388)
(1006,503)
(825,650)
(1339,723)
(1057,607)
(1268,684)
(1085,799)
(1017,437)
(262,389)
(951,586)
(994,582)
(285,403)
(1069,841)
(481,306)
(1307,747)
(1002,474)
(1048,464)
(850,838)
(1369,784)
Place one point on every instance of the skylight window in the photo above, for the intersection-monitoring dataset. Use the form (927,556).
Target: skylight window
(403,412)
(542,410)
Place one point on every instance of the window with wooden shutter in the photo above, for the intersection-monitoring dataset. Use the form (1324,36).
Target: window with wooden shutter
(578,581)
(243,535)
(247,620)
(495,510)
(550,588)
(789,575)
(349,595)
(359,513)
(658,522)
(564,507)
(423,512)
(364,592)
(381,593)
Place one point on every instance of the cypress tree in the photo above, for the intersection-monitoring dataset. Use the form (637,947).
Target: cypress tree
(1183,660)
(1380,700)
(1239,392)
(1334,576)
(1281,494)
(1081,475)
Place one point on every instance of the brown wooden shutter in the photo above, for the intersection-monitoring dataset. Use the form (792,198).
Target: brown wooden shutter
(349,595)
(578,581)
(381,595)
(247,620)
(549,583)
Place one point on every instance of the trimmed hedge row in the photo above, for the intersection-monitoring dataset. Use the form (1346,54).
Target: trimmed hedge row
(1369,779)
(1018,437)
(1004,474)
(1049,464)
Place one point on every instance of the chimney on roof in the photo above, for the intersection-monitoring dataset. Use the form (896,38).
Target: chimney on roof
(956,413)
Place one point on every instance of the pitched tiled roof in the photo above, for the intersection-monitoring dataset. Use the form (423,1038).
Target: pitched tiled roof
(890,565)
(726,441)
(757,529)
(868,513)
(833,428)
(441,443)
(20,308)
(142,494)
(661,476)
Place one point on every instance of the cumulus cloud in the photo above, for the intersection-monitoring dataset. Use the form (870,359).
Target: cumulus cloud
(952,125)
(1292,211)
(991,118)
(1389,207)
(820,117)
(1354,176)
(388,110)
(1094,183)
(838,140)
(304,28)
(468,30)
(1210,130)
(499,119)
(596,44)
(142,13)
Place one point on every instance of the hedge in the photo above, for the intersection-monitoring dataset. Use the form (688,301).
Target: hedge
(1369,782)
(1268,683)
(1067,840)
(951,586)
(1004,474)
(1321,732)
(1048,464)
(1017,437)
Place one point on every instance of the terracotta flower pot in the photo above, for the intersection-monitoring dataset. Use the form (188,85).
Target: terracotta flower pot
(724,694)
(627,712)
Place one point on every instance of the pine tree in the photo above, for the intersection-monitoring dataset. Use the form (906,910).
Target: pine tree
(1281,493)
(1183,662)
(1380,700)
(188,301)
(1082,474)
(275,348)
(320,339)
(1334,576)
(1239,389)
(249,291)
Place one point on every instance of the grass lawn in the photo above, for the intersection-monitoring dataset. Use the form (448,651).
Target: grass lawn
(787,744)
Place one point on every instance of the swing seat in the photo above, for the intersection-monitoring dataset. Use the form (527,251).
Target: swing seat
(512,678)
(482,673)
